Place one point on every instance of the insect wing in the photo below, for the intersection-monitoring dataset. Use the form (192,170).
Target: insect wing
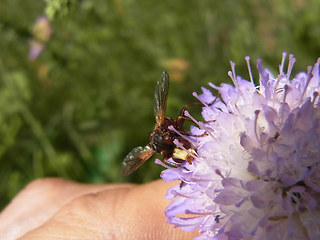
(135,159)
(160,98)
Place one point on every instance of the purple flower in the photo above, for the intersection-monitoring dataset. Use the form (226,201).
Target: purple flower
(41,32)
(36,48)
(256,174)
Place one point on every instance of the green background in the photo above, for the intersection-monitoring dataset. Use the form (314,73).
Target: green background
(86,101)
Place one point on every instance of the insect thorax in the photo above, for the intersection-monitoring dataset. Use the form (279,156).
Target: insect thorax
(161,139)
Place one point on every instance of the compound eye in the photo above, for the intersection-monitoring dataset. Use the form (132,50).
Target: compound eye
(158,138)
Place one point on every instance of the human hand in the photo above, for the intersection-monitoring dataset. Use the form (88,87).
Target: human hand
(54,208)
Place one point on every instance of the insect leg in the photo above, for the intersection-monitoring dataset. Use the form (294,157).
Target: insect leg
(214,100)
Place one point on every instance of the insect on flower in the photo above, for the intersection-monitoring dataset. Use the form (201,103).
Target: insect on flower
(256,173)
(162,138)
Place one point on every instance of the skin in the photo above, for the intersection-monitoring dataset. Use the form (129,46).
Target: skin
(54,208)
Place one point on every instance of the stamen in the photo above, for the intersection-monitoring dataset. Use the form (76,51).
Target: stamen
(175,193)
(180,134)
(256,112)
(249,69)
(315,96)
(197,97)
(286,90)
(284,55)
(292,60)
(263,75)
(315,70)
(309,75)
(159,162)
(232,74)
(166,164)
(219,173)
(214,86)
(200,124)
(187,211)
(187,114)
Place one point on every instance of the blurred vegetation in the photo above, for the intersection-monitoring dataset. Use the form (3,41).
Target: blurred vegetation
(76,107)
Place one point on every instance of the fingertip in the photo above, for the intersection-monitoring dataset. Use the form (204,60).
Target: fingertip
(145,205)
(130,212)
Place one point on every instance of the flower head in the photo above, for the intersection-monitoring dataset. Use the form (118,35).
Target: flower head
(256,173)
